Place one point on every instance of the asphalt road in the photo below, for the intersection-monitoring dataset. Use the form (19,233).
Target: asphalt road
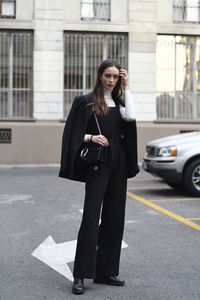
(162,231)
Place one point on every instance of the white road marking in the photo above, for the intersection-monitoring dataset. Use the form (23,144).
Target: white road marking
(12,198)
(29,166)
(152,212)
(57,256)
(156,187)
(124,245)
(81,210)
(131,221)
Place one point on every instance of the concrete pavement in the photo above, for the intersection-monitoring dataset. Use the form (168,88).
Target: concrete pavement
(161,261)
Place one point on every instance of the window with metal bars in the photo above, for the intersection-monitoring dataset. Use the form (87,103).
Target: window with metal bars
(178,77)
(16,75)
(83,53)
(95,10)
(7,8)
(186,11)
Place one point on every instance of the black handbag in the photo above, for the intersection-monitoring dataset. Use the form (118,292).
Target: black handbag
(90,153)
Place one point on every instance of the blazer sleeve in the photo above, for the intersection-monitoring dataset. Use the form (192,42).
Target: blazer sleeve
(73,135)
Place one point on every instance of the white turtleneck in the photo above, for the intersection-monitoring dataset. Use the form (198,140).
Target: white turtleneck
(108,98)
(127,112)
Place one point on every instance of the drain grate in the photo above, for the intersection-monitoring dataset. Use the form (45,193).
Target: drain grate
(5,135)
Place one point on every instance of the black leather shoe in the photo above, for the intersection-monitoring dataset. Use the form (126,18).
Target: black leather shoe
(78,286)
(110,280)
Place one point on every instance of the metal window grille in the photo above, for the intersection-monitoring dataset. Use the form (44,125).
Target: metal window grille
(5,135)
(186,11)
(16,75)
(7,8)
(178,78)
(95,10)
(83,54)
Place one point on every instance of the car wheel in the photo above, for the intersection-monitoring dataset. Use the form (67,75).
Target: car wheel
(192,178)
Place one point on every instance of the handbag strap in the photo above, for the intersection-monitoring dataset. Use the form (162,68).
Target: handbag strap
(97,123)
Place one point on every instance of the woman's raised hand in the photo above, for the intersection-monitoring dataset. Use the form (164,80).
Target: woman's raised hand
(124,74)
(100,139)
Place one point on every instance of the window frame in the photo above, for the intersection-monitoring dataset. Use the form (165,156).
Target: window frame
(7,16)
(10,109)
(95,18)
(184,7)
(108,43)
(175,103)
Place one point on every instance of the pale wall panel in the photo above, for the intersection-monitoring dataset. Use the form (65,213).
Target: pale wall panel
(24,9)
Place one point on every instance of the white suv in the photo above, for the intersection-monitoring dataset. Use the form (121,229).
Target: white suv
(176,159)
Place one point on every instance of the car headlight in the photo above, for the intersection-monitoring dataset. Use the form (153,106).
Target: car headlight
(167,151)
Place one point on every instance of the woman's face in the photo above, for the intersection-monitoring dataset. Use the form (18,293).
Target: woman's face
(110,77)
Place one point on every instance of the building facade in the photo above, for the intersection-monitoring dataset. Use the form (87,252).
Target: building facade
(50,50)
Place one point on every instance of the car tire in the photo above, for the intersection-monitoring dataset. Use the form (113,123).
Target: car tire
(192,178)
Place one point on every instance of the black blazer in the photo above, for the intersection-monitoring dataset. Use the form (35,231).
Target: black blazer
(73,136)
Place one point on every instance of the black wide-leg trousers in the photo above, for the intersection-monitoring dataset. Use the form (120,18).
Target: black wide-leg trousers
(99,246)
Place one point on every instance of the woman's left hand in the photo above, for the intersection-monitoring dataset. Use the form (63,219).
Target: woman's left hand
(124,74)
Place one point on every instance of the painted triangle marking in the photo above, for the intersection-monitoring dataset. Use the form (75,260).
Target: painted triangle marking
(57,256)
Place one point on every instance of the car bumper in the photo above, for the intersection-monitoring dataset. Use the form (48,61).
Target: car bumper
(164,169)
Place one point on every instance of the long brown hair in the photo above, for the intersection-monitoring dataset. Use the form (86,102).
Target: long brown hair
(100,105)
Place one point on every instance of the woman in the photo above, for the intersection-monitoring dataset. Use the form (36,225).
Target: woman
(98,246)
